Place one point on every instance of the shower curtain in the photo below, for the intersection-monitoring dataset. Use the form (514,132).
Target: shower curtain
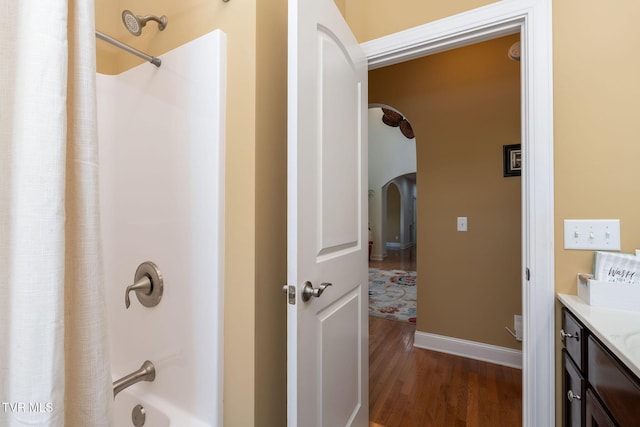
(54,368)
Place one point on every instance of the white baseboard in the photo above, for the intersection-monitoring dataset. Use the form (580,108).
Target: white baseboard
(393,245)
(377,257)
(471,349)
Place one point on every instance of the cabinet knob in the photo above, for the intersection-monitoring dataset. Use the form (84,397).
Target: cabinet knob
(565,335)
(571,395)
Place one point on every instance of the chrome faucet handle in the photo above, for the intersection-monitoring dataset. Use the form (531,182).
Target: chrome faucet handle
(148,285)
(142,285)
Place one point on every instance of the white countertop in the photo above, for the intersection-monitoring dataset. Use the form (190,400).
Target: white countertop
(619,330)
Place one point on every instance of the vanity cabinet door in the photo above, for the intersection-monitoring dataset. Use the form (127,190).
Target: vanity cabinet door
(596,415)
(573,385)
(618,389)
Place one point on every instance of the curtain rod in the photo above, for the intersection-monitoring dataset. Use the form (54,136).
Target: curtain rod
(155,61)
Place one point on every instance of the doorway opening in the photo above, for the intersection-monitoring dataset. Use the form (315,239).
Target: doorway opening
(392,167)
(399,220)
(532,19)
(392,187)
(466,106)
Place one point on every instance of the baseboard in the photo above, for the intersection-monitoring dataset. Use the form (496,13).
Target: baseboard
(393,245)
(377,257)
(471,349)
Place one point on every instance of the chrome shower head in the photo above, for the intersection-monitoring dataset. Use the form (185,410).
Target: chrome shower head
(134,23)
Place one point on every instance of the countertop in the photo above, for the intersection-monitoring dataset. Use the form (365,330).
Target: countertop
(619,330)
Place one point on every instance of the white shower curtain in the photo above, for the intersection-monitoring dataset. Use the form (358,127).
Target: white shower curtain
(54,368)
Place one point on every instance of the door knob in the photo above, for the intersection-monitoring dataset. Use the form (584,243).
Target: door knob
(309,291)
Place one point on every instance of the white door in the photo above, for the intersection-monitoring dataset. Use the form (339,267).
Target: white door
(327,227)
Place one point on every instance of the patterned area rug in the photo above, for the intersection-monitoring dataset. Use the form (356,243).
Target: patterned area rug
(392,294)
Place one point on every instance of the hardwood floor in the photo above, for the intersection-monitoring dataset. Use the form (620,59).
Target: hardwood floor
(413,387)
(404,259)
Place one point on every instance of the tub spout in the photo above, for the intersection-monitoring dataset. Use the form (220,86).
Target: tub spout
(147,372)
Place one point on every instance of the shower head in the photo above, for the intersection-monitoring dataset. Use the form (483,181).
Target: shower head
(134,23)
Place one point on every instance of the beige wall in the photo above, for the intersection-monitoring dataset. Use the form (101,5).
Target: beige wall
(596,103)
(596,109)
(341,6)
(596,99)
(469,283)
(271,215)
(107,18)
(255,241)
(370,19)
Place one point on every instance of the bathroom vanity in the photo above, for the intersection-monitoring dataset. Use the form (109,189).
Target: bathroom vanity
(600,365)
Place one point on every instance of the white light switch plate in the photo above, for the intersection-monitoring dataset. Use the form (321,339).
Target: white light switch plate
(462,223)
(592,234)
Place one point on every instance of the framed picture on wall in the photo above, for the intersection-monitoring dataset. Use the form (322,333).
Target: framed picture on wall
(512,160)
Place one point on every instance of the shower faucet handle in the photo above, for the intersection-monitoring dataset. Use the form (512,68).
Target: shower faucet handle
(148,285)
(142,285)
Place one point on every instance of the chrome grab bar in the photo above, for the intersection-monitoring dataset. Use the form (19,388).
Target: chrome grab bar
(147,372)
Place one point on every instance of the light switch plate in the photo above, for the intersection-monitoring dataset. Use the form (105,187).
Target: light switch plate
(462,223)
(592,234)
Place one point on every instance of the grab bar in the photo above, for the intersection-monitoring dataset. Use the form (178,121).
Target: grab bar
(147,372)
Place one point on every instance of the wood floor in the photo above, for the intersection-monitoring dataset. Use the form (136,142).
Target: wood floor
(397,260)
(413,387)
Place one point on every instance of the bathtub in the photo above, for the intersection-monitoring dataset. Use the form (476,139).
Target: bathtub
(158,412)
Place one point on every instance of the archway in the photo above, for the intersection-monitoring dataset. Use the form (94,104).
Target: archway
(392,156)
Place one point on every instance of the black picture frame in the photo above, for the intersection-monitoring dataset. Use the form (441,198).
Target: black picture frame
(511,160)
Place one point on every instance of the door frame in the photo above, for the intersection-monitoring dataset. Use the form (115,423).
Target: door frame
(532,19)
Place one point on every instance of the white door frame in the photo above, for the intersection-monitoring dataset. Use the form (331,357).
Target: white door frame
(532,19)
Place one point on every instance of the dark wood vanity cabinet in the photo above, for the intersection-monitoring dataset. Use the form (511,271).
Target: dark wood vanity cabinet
(599,390)
(596,415)
(574,386)
(615,385)
(574,364)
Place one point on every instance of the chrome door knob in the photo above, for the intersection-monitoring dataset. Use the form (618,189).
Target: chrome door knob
(309,291)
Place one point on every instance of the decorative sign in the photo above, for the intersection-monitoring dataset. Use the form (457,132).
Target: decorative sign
(616,268)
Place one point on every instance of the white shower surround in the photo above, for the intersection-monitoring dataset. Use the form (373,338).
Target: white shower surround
(161,136)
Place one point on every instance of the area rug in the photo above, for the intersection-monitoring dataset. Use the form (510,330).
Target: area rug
(392,294)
